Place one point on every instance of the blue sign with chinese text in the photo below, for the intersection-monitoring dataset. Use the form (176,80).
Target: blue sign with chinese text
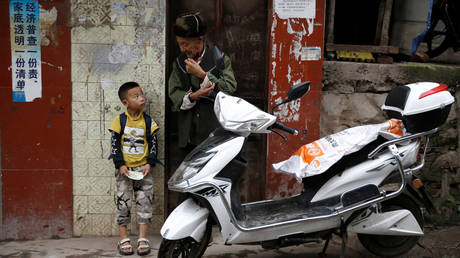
(25,50)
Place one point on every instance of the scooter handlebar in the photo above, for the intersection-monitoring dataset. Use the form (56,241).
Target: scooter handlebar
(287,129)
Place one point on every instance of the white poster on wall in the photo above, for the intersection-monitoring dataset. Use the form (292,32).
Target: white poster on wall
(25,50)
(311,53)
(295,8)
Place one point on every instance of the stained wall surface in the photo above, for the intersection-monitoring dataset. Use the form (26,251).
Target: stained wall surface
(296,47)
(112,42)
(35,136)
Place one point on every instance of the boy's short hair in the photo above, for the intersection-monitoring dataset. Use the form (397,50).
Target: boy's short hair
(125,88)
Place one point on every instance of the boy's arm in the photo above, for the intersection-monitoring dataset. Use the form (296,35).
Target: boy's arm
(116,153)
(152,157)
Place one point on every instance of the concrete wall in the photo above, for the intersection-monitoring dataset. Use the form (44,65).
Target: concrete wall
(352,95)
(409,19)
(112,42)
(353,92)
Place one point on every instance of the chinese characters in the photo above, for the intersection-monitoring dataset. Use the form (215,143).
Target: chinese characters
(25,50)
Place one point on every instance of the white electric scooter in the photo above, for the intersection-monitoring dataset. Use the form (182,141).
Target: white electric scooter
(377,196)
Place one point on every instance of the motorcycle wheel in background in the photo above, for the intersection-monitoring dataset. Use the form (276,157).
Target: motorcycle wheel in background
(390,246)
(437,38)
(185,247)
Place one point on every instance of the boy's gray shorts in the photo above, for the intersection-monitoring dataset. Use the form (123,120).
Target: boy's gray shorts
(143,197)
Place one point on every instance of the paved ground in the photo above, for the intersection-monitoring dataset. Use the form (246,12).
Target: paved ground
(443,243)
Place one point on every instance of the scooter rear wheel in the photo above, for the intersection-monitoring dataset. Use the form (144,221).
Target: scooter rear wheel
(390,246)
(185,247)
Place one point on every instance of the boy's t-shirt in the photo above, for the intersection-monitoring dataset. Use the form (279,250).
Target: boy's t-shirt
(133,140)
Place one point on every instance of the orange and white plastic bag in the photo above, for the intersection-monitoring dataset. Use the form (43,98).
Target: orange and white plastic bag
(316,157)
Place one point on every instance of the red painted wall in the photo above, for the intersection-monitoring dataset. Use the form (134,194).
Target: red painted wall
(36,139)
(286,67)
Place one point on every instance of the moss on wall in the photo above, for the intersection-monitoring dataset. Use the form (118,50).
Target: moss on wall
(449,75)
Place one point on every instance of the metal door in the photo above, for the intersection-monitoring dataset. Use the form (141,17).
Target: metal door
(238,28)
(36,137)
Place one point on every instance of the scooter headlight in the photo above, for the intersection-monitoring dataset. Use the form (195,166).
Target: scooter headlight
(191,166)
(252,125)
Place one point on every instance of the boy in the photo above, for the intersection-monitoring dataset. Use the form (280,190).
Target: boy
(134,152)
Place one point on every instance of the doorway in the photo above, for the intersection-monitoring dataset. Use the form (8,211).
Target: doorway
(239,29)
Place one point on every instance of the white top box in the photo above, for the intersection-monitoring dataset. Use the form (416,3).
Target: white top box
(420,97)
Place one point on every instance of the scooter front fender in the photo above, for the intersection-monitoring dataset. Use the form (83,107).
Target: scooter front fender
(187,220)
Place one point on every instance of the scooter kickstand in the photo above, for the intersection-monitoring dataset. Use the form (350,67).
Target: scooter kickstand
(323,252)
(343,235)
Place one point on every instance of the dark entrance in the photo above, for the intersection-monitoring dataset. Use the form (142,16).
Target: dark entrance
(355,23)
(238,28)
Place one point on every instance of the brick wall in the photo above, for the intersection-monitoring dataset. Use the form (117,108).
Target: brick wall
(112,42)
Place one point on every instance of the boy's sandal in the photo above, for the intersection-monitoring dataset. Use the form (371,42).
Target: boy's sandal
(122,248)
(144,246)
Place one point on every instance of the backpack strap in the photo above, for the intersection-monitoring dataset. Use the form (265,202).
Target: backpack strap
(123,119)
(148,127)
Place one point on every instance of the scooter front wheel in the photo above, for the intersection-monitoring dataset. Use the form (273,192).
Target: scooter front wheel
(185,247)
(390,246)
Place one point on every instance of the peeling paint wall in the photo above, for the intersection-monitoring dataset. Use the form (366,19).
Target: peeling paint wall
(296,43)
(48,26)
(36,151)
(112,42)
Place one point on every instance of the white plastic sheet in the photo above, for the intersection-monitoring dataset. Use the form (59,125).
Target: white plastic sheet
(316,157)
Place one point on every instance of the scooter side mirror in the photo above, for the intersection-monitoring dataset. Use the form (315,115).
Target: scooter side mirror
(297,91)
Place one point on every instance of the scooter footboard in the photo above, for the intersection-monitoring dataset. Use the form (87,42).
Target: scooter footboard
(187,220)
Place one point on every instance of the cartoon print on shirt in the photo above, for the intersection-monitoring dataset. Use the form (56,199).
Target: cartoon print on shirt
(133,140)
